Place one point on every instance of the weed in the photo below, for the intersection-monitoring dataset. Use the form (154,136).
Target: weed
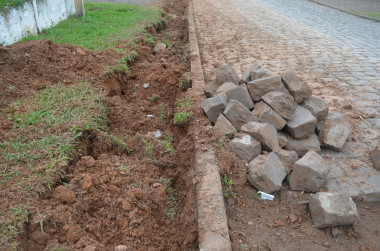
(155,98)
(12,87)
(181,118)
(228,182)
(183,103)
(166,42)
(185,81)
(148,148)
(149,38)
(125,168)
(135,89)
(104,26)
(42,224)
(167,142)
(120,66)
(347,107)
(186,53)
(129,58)
(7,4)
(162,111)
(171,197)
(221,144)
(10,230)
(117,140)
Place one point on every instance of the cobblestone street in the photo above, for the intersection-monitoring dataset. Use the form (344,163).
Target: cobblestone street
(338,54)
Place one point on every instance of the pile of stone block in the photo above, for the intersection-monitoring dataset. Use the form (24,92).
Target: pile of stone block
(277,127)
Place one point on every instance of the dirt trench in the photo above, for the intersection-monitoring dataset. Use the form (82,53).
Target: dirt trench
(143,197)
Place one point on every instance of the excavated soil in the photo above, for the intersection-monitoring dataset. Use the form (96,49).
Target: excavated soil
(110,197)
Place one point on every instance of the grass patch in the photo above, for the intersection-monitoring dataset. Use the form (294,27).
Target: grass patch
(7,4)
(181,117)
(46,129)
(171,198)
(375,15)
(227,182)
(104,26)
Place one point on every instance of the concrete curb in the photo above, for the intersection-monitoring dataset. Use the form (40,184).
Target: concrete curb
(323,4)
(212,219)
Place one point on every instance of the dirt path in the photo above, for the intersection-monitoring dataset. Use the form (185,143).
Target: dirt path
(339,58)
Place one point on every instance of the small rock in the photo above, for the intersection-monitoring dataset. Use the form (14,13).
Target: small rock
(88,161)
(282,139)
(159,47)
(86,182)
(64,194)
(265,133)
(214,106)
(250,223)
(309,173)
(327,244)
(281,102)
(74,233)
(238,114)
(226,74)
(301,124)
(90,248)
(302,146)
(121,248)
(145,85)
(224,127)
(241,94)
(266,114)
(335,131)
(292,218)
(224,88)
(336,232)
(288,159)
(260,87)
(332,209)
(375,156)
(317,106)
(266,173)
(298,88)
(245,147)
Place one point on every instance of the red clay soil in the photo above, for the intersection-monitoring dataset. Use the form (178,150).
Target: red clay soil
(109,197)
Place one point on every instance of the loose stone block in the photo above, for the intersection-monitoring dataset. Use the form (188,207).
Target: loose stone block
(266,173)
(238,114)
(288,159)
(282,139)
(224,88)
(245,147)
(246,76)
(281,102)
(375,156)
(259,72)
(224,127)
(263,132)
(214,106)
(298,88)
(258,88)
(301,124)
(335,131)
(317,106)
(309,173)
(226,74)
(332,209)
(302,146)
(210,88)
(241,94)
(266,114)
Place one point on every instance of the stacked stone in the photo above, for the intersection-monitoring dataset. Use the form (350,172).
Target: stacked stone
(277,114)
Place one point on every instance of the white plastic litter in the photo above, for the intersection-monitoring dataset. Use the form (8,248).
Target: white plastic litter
(146,85)
(265,196)
(150,116)
(158,134)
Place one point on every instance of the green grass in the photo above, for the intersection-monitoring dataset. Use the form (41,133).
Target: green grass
(171,198)
(375,15)
(181,116)
(104,26)
(6,4)
(46,131)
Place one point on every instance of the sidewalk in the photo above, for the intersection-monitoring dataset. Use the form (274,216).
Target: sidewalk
(365,8)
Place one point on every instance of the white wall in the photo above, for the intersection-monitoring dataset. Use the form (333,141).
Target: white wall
(20,22)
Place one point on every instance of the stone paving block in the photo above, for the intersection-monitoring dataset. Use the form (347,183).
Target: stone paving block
(282,139)
(226,74)
(258,88)
(245,147)
(263,132)
(288,158)
(238,114)
(317,106)
(224,88)
(375,157)
(214,106)
(266,114)
(301,124)
(298,88)
(266,173)
(302,146)
(241,94)
(309,173)
(224,127)
(332,209)
(335,131)
(281,102)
